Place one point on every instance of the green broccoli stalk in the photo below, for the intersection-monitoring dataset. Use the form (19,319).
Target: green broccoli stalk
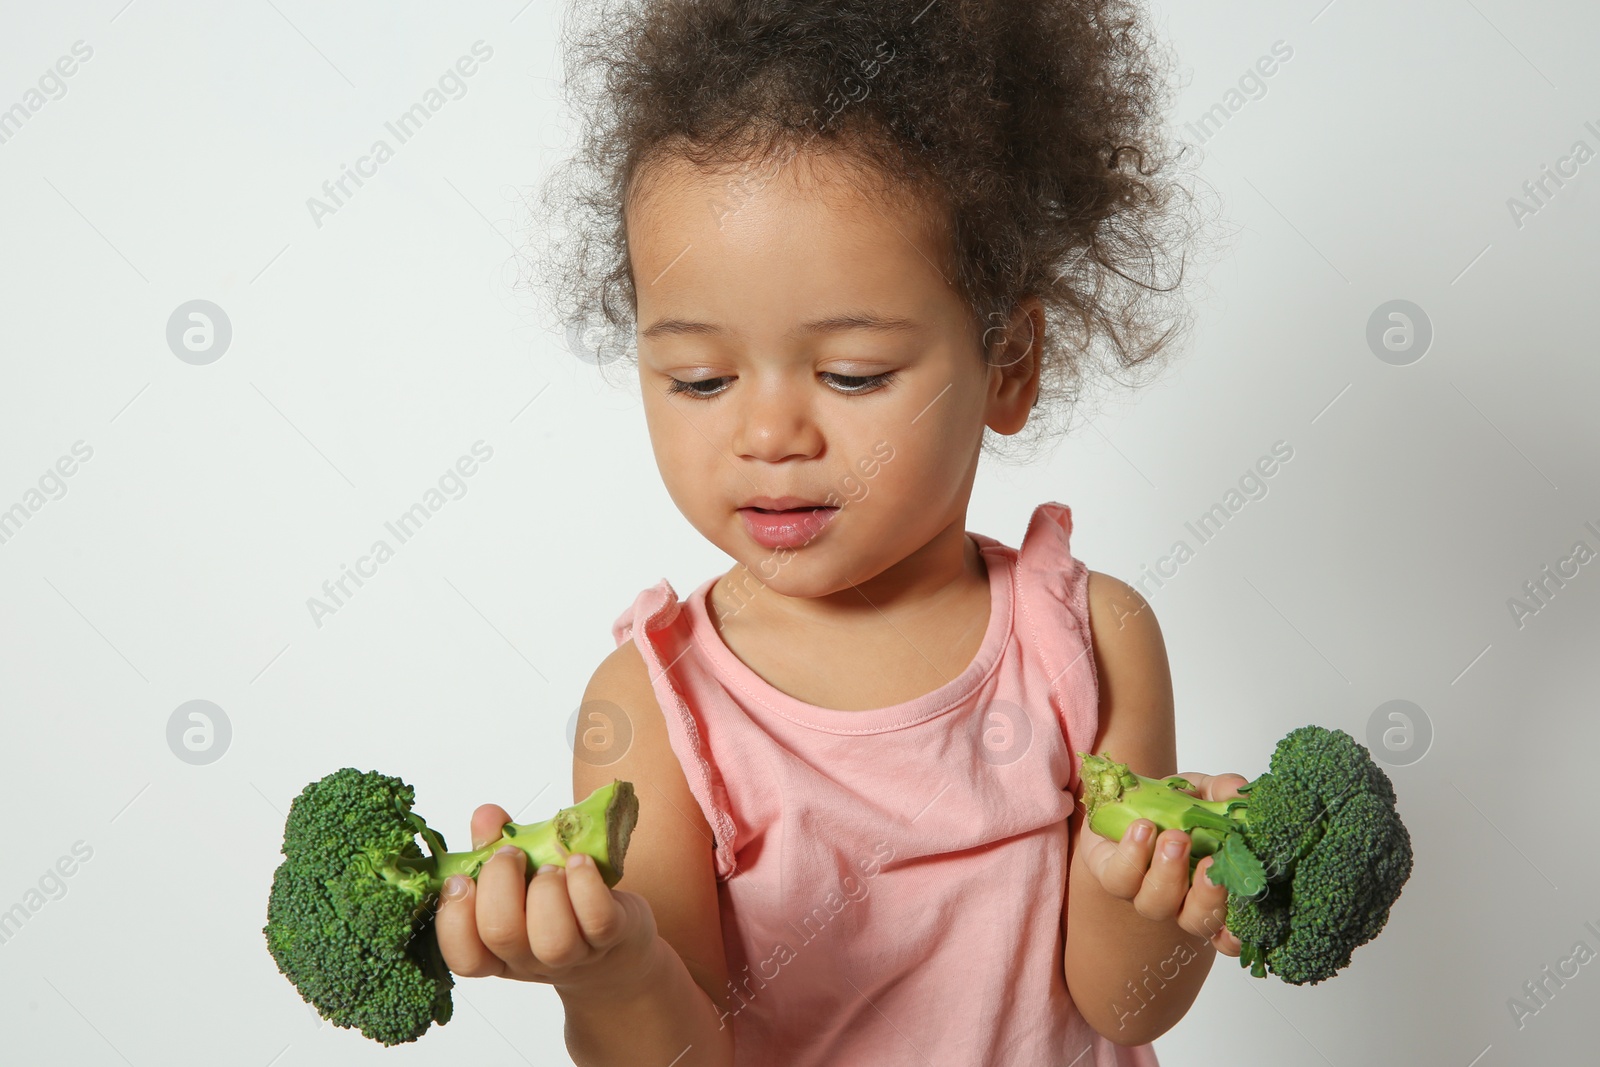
(350,919)
(1313,853)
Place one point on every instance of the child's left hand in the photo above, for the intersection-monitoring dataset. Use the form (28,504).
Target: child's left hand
(1161,890)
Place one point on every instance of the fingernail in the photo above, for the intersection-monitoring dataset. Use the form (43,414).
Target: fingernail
(1141,832)
(548,868)
(455,887)
(1175,848)
(578,859)
(507,850)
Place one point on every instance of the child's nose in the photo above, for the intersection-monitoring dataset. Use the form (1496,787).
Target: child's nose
(774,425)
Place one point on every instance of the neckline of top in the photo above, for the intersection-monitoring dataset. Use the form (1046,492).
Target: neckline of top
(998,560)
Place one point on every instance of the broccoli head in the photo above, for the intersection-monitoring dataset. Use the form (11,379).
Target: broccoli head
(350,915)
(1313,853)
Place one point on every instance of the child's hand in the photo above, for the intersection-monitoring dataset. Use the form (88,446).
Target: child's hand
(1162,890)
(566,928)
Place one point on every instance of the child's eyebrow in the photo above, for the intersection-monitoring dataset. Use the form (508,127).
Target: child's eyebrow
(853,320)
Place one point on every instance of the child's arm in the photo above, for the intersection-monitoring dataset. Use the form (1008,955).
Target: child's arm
(667,1019)
(637,965)
(669,862)
(1132,976)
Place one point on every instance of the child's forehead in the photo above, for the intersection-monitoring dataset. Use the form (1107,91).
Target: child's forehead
(808,225)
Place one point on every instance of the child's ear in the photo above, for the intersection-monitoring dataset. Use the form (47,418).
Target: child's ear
(1013,351)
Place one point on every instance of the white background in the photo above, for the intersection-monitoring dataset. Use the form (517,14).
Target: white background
(372,351)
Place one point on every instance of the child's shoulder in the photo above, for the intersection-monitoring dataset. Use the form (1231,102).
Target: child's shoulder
(1113,603)
(621,724)
(1134,680)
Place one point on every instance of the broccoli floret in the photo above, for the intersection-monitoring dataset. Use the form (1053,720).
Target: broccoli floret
(350,915)
(1313,853)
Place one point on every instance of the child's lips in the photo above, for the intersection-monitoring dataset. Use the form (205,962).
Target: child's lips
(780,503)
(790,528)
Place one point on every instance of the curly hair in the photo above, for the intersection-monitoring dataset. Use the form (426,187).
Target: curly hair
(1030,130)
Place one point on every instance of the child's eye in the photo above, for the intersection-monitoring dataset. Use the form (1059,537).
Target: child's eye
(693,388)
(862,384)
(846,383)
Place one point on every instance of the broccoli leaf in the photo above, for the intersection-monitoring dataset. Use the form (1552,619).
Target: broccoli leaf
(1236,868)
(1251,956)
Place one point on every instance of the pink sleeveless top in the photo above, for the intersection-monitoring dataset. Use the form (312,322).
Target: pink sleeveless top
(893,881)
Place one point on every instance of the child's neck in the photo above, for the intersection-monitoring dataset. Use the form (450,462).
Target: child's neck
(948,569)
(890,643)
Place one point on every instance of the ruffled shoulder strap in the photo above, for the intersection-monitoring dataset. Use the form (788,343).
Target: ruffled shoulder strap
(658,625)
(655,606)
(1053,618)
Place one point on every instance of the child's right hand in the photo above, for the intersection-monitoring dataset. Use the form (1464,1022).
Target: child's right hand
(566,928)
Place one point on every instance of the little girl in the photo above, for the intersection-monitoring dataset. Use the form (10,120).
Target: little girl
(850,238)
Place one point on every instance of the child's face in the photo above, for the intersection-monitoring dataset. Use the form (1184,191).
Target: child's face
(785,415)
